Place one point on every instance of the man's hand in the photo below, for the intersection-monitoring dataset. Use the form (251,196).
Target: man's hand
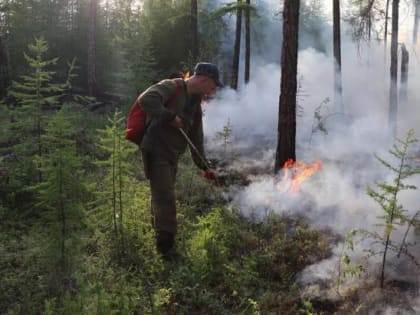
(210,175)
(176,122)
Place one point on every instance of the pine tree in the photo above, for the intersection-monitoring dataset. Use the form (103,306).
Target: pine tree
(92,82)
(388,193)
(114,194)
(393,95)
(35,94)
(143,63)
(61,193)
(4,68)
(237,48)
(138,63)
(225,136)
(30,101)
(286,130)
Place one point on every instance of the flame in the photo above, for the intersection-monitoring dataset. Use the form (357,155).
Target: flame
(295,172)
(186,75)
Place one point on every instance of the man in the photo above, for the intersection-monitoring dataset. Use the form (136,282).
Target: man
(171,106)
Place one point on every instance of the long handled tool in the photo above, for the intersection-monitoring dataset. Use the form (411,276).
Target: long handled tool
(195,149)
(197,152)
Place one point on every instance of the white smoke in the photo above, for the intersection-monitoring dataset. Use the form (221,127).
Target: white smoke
(335,197)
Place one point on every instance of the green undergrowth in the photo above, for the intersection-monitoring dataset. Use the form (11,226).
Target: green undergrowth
(76,234)
(230,264)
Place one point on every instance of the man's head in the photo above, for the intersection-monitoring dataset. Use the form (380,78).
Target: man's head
(205,79)
(209,70)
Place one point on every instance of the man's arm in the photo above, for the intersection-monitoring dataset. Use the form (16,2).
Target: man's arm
(153,101)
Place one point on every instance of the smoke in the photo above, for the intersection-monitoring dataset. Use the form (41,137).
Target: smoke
(335,197)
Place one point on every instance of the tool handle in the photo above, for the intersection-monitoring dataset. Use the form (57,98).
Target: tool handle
(195,149)
(198,153)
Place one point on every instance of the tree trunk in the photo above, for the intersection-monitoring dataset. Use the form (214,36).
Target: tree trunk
(416,21)
(194,30)
(393,96)
(62,215)
(247,41)
(92,85)
(120,196)
(107,18)
(386,28)
(286,132)
(4,52)
(369,21)
(114,192)
(72,15)
(386,21)
(4,70)
(237,49)
(404,75)
(338,89)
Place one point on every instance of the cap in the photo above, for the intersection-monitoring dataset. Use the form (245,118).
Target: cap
(208,69)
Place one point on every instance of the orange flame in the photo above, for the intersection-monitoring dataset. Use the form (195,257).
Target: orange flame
(295,172)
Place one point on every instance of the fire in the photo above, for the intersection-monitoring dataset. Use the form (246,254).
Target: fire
(295,172)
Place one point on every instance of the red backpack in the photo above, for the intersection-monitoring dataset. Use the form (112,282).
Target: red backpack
(137,117)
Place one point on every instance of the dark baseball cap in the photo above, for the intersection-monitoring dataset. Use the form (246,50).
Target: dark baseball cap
(209,70)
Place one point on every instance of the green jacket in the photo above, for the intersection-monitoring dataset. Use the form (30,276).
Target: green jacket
(161,138)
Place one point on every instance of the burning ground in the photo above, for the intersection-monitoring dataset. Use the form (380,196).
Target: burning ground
(337,152)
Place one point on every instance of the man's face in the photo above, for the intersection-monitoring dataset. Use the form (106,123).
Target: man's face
(209,86)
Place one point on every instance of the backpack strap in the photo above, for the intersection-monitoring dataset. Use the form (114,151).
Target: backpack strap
(171,103)
(178,87)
